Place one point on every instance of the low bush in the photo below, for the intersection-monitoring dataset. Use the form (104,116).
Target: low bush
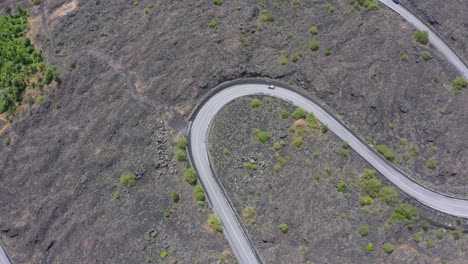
(426,55)
(163,254)
(388,248)
(262,136)
(363,230)
(369,247)
(128,179)
(457,233)
(440,233)
(365,201)
(459,84)
(313,30)
(404,57)
(199,193)
(418,236)
(328,52)
(283,228)
(330,8)
(218,2)
(116,195)
(250,166)
(344,152)
(297,141)
(421,37)
(386,152)
(190,176)
(266,16)
(213,24)
(181,155)
(215,223)
(314,45)
(284,114)
(298,114)
(181,143)
(323,129)
(368,4)
(370,184)
(430,243)
(249,214)
(341,187)
(431,164)
(388,195)
(175,196)
(255,102)
(345,145)
(406,213)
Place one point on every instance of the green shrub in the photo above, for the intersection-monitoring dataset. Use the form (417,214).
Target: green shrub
(369,247)
(181,155)
(457,233)
(284,114)
(388,248)
(430,243)
(190,176)
(405,212)
(386,152)
(404,57)
(330,8)
(135,3)
(388,195)
(298,114)
(421,37)
(418,236)
(297,141)
(368,4)
(283,60)
(341,187)
(313,30)
(218,2)
(315,154)
(199,193)
(365,201)
(266,16)
(262,136)
(323,129)
(225,151)
(215,223)
(213,24)
(459,84)
(250,166)
(440,233)
(128,179)
(181,142)
(249,214)
(431,164)
(279,145)
(345,145)
(283,228)
(6,141)
(344,152)
(371,186)
(175,196)
(116,195)
(363,230)
(163,254)
(36,2)
(312,121)
(328,52)
(314,45)
(294,58)
(255,102)
(148,260)
(402,141)
(426,55)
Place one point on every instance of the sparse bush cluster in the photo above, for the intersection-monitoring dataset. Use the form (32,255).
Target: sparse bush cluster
(459,84)
(368,4)
(405,212)
(215,223)
(386,152)
(190,176)
(421,37)
(375,189)
(128,179)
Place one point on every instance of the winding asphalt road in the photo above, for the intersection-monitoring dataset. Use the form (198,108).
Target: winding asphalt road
(199,130)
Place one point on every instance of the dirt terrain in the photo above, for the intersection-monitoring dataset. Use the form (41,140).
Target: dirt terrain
(323,222)
(128,69)
(448,18)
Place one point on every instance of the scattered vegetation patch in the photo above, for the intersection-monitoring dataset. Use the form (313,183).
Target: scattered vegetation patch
(218,2)
(405,212)
(363,230)
(199,193)
(368,4)
(426,55)
(404,57)
(284,114)
(330,8)
(298,114)
(388,248)
(213,24)
(266,16)
(388,195)
(175,196)
(128,179)
(255,102)
(341,187)
(421,37)
(250,166)
(314,45)
(418,236)
(190,176)
(249,214)
(313,30)
(328,52)
(431,164)
(181,155)
(215,223)
(458,84)
(262,136)
(181,143)
(386,152)
(283,228)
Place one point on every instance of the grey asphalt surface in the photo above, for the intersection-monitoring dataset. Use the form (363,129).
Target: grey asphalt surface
(3,256)
(434,39)
(232,229)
